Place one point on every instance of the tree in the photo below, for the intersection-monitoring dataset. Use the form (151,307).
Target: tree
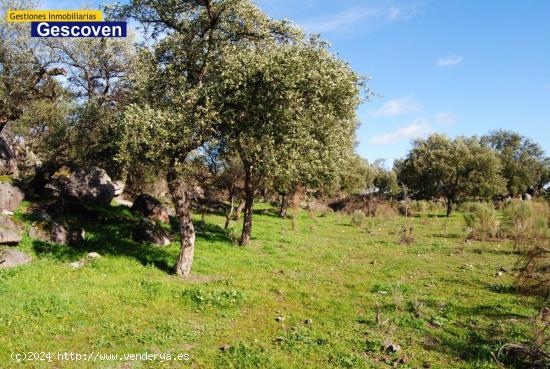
(174,113)
(27,68)
(453,169)
(524,164)
(385,180)
(290,113)
(358,177)
(231,180)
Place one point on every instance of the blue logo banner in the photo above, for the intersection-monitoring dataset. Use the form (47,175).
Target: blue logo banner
(78,29)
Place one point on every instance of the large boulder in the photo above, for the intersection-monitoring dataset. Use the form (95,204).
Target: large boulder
(10,197)
(11,231)
(149,207)
(8,157)
(54,232)
(10,258)
(149,231)
(92,186)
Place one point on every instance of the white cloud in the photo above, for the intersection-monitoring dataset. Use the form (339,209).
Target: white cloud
(359,18)
(418,128)
(337,21)
(445,118)
(449,61)
(396,107)
(400,13)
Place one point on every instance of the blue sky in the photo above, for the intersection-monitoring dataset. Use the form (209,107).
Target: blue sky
(455,66)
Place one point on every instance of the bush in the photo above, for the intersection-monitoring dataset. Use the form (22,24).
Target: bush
(482,222)
(358,218)
(385,210)
(534,266)
(424,206)
(468,206)
(527,220)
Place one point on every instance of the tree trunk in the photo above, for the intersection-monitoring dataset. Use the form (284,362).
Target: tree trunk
(239,210)
(230,212)
(449,207)
(249,193)
(284,206)
(185,223)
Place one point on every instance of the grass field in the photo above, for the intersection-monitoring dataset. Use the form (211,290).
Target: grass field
(329,295)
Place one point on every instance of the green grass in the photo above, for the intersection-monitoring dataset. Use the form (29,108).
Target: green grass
(439,299)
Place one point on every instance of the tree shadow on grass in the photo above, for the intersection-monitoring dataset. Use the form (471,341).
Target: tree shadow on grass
(478,345)
(109,231)
(270,212)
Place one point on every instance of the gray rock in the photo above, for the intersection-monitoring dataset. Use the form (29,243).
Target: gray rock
(56,233)
(150,207)
(8,157)
(77,264)
(11,231)
(119,187)
(93,255)
(391,346)
(527,197)
(149,231)
(91,186)
(10,258)
(10,197)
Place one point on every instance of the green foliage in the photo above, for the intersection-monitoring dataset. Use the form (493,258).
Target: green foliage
(214,298)
(523,162)
(358,218)
(455,169)
(357,177)
(385,180)
(482,221)
(127,301)
(527,220)
(284,117)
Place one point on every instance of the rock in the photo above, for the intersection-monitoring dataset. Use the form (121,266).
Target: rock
(11,231)
(7,213)
(280,318)
(527,197)
(91,186)
(57,233)
(119,187)
(391,347)
(8,157)
(149,231)
(122,201)
(10,197)
(93,255)
(225,347)
(77,264)
(499,274)
(10,258)
(149,207)
(308,321)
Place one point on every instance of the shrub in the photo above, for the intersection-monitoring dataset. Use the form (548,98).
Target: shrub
(527,220)
(534,266)
(468,206)
(385,210)
(482,222)
(358,218)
